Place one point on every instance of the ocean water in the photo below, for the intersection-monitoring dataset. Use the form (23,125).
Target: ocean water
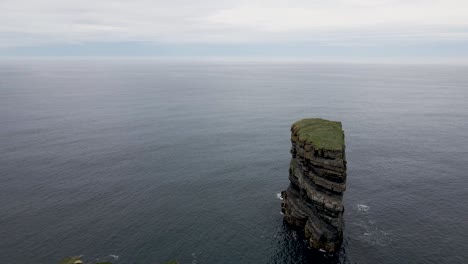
(144,161)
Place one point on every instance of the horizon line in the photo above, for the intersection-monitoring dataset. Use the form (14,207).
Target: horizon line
(252,59)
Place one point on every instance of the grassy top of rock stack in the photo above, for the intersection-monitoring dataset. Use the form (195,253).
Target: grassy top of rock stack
(321,134)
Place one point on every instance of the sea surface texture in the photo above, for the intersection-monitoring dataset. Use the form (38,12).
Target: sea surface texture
(145,161)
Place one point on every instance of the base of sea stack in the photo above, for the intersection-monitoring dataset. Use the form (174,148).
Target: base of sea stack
(317,174)
(320,236)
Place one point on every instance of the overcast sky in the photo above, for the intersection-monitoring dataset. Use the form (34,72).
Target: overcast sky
(348,28)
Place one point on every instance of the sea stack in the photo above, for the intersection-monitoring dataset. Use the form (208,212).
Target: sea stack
(313,200)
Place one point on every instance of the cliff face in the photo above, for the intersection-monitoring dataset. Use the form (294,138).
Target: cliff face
(313,200)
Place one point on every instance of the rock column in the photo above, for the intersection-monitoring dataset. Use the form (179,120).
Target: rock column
(313,200)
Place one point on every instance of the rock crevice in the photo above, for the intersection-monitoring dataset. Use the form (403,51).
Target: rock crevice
(317,172)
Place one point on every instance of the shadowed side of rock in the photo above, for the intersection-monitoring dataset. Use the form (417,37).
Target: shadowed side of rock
(317,172)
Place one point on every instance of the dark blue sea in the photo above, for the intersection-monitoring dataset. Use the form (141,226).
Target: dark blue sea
(146,161)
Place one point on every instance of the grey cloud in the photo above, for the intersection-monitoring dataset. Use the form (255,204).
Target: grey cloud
(28,22)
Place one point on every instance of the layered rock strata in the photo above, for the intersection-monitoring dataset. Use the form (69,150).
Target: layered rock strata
(313,200)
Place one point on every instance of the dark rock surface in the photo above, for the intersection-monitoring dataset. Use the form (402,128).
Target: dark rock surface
(317,172)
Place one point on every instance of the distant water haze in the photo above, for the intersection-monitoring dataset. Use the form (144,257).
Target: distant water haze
(141,161)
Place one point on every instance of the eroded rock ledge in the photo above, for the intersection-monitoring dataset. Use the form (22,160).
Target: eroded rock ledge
(313,200)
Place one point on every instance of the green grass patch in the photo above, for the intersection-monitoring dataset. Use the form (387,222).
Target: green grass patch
(320,133)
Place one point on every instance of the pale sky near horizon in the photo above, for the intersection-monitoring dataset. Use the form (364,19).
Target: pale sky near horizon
(424,29)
